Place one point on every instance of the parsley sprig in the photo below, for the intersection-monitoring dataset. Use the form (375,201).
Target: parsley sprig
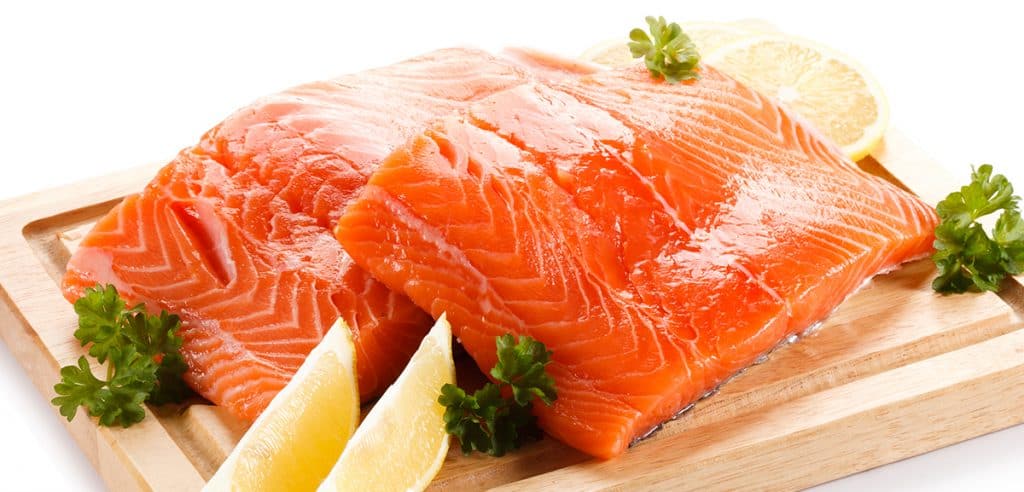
(668,52)
(141,352)
(488,421)
(967,257)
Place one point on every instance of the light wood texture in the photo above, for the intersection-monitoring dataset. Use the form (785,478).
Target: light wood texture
(896,371)
(36,323)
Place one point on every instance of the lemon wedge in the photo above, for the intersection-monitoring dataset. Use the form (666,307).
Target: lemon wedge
(402,442)
(707,36)
(298,438)
(835,93)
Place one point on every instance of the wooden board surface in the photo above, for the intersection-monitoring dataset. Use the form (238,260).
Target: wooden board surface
(895,372)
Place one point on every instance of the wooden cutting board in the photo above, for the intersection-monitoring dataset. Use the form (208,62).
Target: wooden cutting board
(895,372)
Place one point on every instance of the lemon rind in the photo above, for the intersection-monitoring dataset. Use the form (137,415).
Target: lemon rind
(337,340)
(441,337)
(873,133)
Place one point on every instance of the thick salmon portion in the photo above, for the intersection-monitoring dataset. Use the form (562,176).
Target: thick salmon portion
(235,234)
(658,238)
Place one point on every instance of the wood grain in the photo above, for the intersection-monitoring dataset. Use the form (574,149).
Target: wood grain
(887,376)
(37,324)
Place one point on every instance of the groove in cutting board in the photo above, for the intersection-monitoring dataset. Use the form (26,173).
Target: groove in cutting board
(897,326)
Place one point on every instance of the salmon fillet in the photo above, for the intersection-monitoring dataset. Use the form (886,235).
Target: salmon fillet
(658,238)
(235,234)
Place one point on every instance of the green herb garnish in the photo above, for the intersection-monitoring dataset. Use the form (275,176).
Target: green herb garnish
(668,52)
(141,352)
(967,257)
(489,422)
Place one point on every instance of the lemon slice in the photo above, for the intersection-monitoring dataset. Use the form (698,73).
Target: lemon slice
(611,52)
(707,36)
(710,36)
(402,443)
(835,93)
(298,438)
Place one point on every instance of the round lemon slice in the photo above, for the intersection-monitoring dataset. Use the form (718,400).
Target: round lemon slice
(402,442)
(710,36)
(835,93)
(610,52)
(298,438)
(707,36)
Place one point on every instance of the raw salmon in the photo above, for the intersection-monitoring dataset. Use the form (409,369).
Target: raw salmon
(235,234)
(658,238)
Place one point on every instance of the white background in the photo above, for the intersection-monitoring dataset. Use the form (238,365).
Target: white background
(88,89)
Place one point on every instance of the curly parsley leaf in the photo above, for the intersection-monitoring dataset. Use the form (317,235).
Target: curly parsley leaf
(77,387)
(117,401)
(170,384)
(466,420)
(142,356)
(667,52)
(100,312)
(155,333)
(133,378)
(489,422)
(966,256)
(521,365)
